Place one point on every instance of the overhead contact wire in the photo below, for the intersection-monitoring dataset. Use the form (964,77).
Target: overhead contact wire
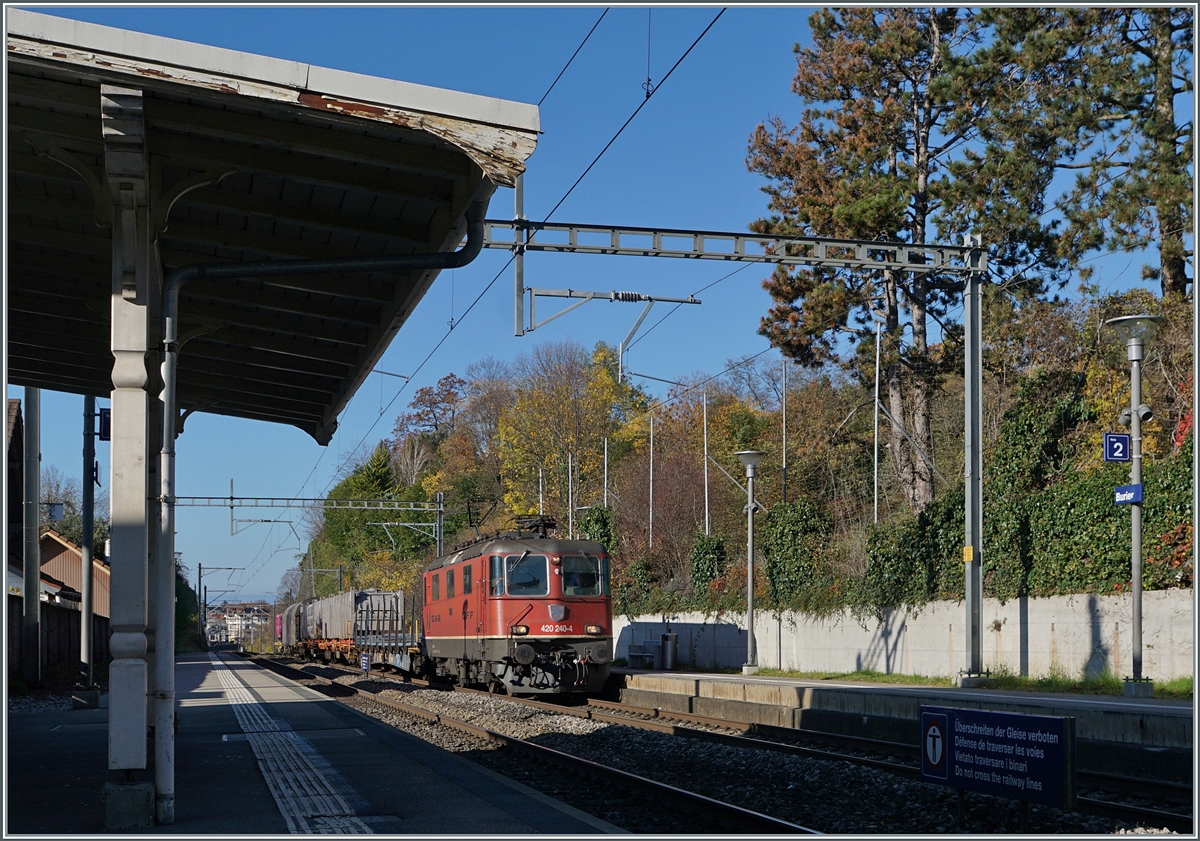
(487,288)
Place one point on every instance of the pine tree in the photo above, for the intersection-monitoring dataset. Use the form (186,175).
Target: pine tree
(1106,84)
(878,154)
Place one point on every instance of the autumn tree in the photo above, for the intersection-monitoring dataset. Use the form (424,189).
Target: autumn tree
(468,465)
(1102,92)
(565,402)
(871,160)
(434,409)
(347,536)
(58,487)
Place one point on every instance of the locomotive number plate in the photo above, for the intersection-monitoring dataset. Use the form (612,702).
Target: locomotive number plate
(558,629)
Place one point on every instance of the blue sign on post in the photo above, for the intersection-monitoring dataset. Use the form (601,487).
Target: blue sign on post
(1127,494)
(365,662)
(1021,757)
(1116,446)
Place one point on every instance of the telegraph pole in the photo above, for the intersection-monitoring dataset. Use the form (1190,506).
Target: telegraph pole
(973,533)
(87,545)
(784,407)
(31,650)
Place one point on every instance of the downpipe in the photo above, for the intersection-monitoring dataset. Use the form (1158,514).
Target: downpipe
(164,712)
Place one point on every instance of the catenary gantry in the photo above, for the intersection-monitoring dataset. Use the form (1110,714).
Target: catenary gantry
(145,174)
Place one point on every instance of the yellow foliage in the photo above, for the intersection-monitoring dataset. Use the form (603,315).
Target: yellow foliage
(565,405)
(387,572)
(434,482)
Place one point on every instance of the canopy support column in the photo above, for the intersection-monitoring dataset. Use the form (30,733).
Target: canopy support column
(126,168)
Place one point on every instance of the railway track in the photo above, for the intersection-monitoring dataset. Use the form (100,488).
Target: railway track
(865,751)
(692,813)
(1162,804)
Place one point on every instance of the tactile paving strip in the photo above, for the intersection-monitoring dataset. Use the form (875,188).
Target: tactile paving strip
(311,795)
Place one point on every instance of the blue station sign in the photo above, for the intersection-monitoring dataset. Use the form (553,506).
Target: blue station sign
(364,662)
(1116,446)
(1021,757)
(1126,494)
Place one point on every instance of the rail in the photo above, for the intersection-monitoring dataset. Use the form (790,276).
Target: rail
(782,740)
(723,814)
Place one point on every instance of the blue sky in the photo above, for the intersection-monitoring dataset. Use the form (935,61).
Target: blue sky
(680,164)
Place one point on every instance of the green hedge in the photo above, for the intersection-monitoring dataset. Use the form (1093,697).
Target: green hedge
(1050,528)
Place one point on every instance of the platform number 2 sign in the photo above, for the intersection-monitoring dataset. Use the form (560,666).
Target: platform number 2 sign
(1116,446)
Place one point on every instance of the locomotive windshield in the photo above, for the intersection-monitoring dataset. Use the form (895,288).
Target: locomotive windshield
(527,575)
(584,575)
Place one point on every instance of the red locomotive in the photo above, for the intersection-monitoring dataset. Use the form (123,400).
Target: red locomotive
(521,613)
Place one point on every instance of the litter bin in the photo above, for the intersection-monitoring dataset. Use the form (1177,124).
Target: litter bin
(669,643)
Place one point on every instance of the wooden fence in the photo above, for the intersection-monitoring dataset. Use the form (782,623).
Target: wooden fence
(60,637)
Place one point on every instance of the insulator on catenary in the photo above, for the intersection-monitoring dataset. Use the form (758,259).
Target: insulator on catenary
(627,296)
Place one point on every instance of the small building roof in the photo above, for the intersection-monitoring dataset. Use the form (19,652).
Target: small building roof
(14,416)
(49,533)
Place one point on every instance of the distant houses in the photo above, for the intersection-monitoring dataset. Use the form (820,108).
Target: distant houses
(237,622)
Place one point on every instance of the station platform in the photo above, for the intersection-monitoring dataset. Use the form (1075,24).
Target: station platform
(258,755)
(1140,736)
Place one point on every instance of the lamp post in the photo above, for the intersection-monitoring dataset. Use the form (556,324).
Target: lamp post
(750,460)
(1135,331)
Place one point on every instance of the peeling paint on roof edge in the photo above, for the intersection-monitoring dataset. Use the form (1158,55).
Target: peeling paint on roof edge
(498,135)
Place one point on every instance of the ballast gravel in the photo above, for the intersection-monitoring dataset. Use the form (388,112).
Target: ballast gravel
(826,795)
(42,703)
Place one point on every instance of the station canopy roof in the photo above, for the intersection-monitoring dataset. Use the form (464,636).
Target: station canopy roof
(271,160)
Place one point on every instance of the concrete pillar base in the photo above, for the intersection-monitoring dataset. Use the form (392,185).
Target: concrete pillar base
(749,670)
(973,682)
(128,806)
(85,698)
(1139,688)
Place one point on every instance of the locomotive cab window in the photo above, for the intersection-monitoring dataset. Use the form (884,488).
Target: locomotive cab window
(496,575)
(527,575)
(585,575)
(466,581)
(449,583)
(437,588)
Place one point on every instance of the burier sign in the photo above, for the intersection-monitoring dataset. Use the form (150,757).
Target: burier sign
(1022,757)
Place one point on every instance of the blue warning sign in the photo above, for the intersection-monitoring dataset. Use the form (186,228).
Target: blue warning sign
(1021,757)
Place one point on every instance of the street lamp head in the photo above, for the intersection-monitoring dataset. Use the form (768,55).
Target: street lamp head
(1125,418)
(1130,327)
(750,460)
(1144,413)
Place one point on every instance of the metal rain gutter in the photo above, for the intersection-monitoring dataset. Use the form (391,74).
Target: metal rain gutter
(165,583)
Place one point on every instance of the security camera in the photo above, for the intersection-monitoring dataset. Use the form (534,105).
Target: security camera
(1125,418)
(1144,414)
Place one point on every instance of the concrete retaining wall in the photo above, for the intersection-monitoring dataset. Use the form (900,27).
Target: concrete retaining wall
(1072,634)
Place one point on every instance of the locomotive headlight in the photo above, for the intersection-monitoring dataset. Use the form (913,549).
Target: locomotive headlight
(593,629)
(520,630)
